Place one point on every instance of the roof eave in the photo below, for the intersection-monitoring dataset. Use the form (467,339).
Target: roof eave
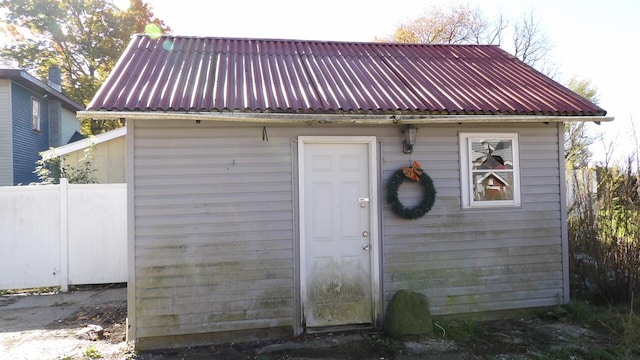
(25,79)
(310,119)
(83,144)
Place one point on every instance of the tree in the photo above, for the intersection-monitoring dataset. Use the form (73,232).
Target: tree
(459,24)
(83,37)
(576,137)
(50,171)
(463,24)
(530,43)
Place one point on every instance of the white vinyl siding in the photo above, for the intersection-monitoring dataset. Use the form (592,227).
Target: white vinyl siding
(215,227)
(485,259)
(6,134)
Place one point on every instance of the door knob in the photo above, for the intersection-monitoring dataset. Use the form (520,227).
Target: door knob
(366,247)
(365,233)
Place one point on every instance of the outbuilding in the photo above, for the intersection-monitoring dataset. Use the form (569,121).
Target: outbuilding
(267,195)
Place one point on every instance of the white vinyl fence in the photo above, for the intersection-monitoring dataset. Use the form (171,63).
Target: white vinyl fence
(61,235)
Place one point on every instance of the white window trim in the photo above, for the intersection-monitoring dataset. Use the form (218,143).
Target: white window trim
(466,182)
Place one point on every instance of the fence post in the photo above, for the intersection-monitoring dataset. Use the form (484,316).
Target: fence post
(64,235)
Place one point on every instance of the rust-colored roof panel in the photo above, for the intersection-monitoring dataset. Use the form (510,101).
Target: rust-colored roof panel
(262,75)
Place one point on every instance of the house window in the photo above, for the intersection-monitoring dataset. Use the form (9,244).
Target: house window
(489,169)
(36,120)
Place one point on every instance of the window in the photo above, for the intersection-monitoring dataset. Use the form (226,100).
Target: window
(489,170)
(36,121)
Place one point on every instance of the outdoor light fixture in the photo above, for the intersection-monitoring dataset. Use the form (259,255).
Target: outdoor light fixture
(409,133)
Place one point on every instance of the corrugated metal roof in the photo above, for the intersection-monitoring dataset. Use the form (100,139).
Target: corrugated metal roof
(198,74)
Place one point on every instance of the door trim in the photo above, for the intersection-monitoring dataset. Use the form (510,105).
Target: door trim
(373,216)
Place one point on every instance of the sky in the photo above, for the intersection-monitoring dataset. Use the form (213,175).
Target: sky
(594,40)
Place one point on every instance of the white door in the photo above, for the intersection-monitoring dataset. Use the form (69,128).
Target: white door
(338,257)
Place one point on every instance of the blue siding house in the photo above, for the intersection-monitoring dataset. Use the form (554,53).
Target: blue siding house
(34,116)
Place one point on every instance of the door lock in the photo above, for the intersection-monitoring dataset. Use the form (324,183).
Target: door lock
(365,233)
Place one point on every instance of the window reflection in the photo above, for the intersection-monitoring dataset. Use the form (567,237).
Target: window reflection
(492,169)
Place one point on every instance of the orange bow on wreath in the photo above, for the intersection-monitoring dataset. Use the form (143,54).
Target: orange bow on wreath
(412,172)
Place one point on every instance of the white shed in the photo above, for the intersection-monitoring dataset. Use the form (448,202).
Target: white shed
(261,194)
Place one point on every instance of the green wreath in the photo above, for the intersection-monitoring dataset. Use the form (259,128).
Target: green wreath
(424,206)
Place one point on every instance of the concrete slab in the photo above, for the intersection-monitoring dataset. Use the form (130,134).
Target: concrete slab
(22,313)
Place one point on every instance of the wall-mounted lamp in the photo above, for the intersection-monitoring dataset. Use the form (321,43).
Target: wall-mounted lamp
(409,133)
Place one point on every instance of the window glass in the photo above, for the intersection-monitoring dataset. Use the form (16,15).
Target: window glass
(35,115)
(489,169)
(492,166)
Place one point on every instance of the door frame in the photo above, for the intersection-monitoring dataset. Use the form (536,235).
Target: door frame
(374,235)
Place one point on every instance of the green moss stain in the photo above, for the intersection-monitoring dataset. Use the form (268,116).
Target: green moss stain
(338,297)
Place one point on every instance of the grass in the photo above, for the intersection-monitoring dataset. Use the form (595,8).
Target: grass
(92,353)
(620,323)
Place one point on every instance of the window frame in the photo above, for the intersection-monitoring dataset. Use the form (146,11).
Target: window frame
(466,170)
(36,119)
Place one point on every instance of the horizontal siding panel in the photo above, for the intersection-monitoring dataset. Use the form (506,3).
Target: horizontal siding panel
(221,290)
(249,279)
(215,199)
(539,190)
(457,294)
(441,278)
(203,170)
(198,218)
(527,181)
(210,189)
(550,198)
(506,300)
(174,327)
(212,244)
(213,208)
(475,254)
(211,321)
(539,172)
(168,265)
(201,162)
(199,229)
(176,242)
(474,239)
(219,308)
(177,180)
(469,263)
(506,245)
(240,296)
(513,226)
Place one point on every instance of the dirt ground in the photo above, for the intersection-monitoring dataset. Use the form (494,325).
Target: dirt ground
(96,329)
(532,338)
(81,324)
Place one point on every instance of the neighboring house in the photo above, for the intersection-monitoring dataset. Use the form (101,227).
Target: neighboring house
(106,153)
(257,177)
(34,116)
